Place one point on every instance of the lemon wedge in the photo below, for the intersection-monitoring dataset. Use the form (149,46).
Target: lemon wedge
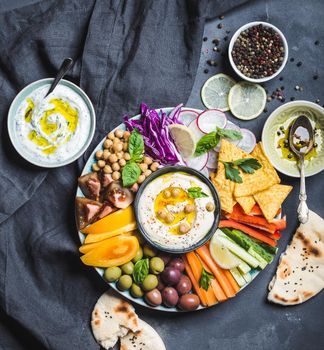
(184,139)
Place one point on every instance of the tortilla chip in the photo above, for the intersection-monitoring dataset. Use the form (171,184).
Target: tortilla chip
(247,203)
(271,199)
(261,179)
(227,153)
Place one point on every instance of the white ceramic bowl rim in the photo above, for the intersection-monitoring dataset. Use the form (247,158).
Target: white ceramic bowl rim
(235,36)
(18,146)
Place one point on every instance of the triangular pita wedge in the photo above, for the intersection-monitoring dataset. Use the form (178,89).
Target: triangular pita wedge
(270,200)
(261,179)
(227,153)
(300,274)
(247,203)
(146,339)
(112,317)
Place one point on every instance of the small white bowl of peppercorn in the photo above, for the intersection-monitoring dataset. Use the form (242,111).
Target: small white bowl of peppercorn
(258,51)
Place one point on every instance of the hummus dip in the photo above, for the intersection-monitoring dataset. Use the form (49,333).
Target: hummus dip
(176,210)
(55,128)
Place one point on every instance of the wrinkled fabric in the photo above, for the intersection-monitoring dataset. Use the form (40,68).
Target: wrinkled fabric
(125,52)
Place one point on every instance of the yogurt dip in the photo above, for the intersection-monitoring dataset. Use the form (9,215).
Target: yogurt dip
(173,213)
(54,129)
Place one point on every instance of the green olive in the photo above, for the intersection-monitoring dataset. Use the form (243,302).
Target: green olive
(112,274)
(149,251)
(150,282)
(124,282)
(136,291)
(156,265)
(138,256)
(127,268)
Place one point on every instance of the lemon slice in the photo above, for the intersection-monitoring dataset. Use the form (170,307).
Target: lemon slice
(184,139)
(247,100)
(222,256)
(214,93)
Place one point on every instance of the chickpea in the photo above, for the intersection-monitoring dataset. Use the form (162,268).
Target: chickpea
(184,227)
(140,179)
(122,162)
(119,133)
(125,146)
(101,163)
(189,208)
(118,147)
(126,156)
(99,154)
(115,166)
(120,155)
(167,194)
(95,167)
(116,140)
(107,144)
(107,169)
(147,173)
(106,154)
(147,160)
(175,192)
(143,167)
(113,158)
(154,166)
(126,135)
(116,175)
(169,218)
(210,206)
(111,135)
(162,214)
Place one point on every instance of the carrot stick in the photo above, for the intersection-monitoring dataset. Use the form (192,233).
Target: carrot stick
(248,230)
(232,281)
(198,290)
(216,270)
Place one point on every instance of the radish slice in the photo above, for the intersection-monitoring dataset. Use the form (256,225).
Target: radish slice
(212,159)
(199,162)
(230,126)
(194,128)
(248,142)
(186,116)
(210,119)
(205,172)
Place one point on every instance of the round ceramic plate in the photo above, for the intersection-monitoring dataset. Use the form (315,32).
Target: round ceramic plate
(23,151)
(283,115)
(87,169)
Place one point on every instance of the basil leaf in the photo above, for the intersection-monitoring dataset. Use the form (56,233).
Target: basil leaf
(136,146)
(229,134)
(206,143)
(205,279)
(196,192)
(232,173)
(248,165)
(130,174)
(141,270)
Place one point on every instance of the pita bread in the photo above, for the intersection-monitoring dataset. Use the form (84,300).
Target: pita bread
(300,274)
(146,339)
(247,203)
(112,317)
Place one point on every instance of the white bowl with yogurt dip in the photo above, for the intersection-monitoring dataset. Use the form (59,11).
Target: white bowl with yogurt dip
(54,131)
(177,209)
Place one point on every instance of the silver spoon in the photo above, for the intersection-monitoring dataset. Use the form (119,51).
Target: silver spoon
(65,66)
(302,130)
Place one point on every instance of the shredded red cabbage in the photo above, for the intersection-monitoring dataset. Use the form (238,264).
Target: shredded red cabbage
(153,126)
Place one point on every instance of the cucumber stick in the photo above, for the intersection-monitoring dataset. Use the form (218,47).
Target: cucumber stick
(237,276)
(247,277)
(243,267)
(262,263)
(237,250)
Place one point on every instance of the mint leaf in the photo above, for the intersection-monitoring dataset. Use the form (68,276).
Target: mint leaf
(206,143)
(196,192)
(136,146)
(130,174)
(248,165)
(229,134)
(141,270)
(205,279)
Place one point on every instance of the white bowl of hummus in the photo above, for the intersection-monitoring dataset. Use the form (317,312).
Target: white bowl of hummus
(52,131)
(177,209)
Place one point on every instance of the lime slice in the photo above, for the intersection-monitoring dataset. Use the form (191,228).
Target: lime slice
(214,93)
(184,139)
(247,100)
(222,256)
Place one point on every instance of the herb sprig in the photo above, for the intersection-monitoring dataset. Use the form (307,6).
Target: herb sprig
(196,192)
(205,279)
(141,270)
(247,165)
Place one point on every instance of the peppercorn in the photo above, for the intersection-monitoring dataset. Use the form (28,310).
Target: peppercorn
(292,98)
(316,42)
(220,26)
(225,38)
(215,41)
(299,64)
(292,59)
(221,17)
(282,128)
(290,155)
(281,78)
(206,71)
(204,38)
(317,101)
(315,77)
(278,133)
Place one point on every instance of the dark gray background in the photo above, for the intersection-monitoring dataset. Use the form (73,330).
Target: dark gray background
(248,321)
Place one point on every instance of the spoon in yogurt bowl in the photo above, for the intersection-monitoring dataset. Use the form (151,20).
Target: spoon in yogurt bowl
(301,142)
